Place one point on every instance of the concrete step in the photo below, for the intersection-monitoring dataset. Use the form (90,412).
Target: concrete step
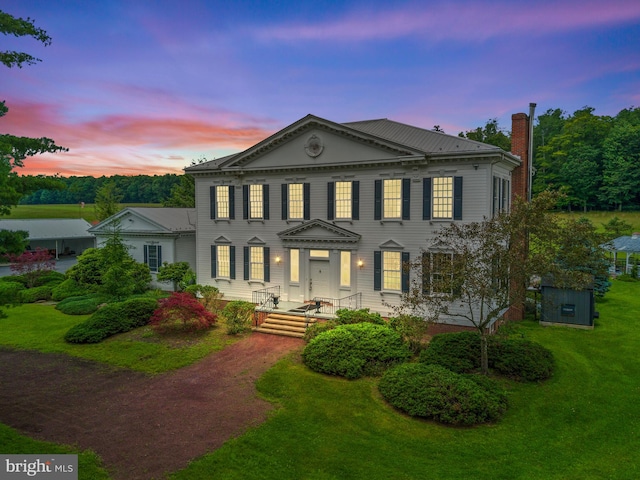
(294,323)
(291,318)
(277,326)
(285,333)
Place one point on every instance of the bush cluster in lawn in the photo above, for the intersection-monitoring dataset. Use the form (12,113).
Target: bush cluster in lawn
(520,359)
(35,294)
(343,317)
(181,310)
(315,329)
(355,350)
(68,288)
(432,391)
(81,305)
(50,278)
(111,319)
(10,292)
(238,316)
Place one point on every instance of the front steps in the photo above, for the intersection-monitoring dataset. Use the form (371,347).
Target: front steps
(285,324)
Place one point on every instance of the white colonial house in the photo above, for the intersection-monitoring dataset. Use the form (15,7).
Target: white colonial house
(328,212)
(154,235)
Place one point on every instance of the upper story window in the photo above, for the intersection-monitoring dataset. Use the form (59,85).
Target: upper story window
(442,198)
(221,198)
(296,203)
(501,195)
(255,202)
(343,200)
(392,197)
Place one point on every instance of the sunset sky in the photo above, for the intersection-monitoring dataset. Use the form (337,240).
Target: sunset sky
(136,86)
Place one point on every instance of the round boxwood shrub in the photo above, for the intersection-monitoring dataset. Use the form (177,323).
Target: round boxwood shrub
(138,311)
(35,294)
(10,292)
(522,360)
(68,288)
(50,278)
(458,352)
(81,305)
(238,316)
(355,350)
(345,316)
(519,359)
(315,329)
(432,391)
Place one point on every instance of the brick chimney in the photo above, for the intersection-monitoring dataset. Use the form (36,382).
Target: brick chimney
(520,147)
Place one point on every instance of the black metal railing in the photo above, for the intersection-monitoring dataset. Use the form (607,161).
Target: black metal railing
(329,306)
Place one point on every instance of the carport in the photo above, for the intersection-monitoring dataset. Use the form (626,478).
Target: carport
(61,236)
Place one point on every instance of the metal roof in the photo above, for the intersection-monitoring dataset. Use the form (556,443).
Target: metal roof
(50,228)
(171,219)
(427,141)
(630,244)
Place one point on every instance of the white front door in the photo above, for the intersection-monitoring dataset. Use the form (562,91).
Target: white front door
(319,278)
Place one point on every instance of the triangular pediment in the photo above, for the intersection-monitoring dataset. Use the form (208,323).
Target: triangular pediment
(256,241)
(129,221)
(222,239)
(319,231)
(391,244)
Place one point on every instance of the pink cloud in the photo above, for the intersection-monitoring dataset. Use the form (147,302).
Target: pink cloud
(467,20)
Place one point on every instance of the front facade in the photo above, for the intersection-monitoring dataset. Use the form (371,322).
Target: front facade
(154,236)
(329,212)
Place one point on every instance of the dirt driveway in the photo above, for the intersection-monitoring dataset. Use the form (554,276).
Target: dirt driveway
(141,426)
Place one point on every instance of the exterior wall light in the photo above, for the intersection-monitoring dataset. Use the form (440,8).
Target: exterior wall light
(360,263)
(278,260)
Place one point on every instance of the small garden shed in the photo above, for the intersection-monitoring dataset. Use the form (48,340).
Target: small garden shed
(565,306)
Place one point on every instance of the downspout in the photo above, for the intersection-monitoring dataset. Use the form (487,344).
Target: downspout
(532,110)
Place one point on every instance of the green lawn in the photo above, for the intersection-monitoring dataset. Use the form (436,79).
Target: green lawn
(600,218)
(63,211)
(584,423)
(41,327)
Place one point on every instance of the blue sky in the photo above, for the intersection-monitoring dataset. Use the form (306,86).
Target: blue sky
(146,87)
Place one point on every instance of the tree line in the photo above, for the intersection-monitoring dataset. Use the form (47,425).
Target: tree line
(593,160)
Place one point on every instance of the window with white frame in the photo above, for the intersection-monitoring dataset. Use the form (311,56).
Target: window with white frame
(256,263)
(153,257)
(345,268)
(438,272)
(391,270)
(343,200)
(223,261)
(392,198)
(442,197)
(294,265)
(222,201)
(296,201)
(501,195)
(256,207)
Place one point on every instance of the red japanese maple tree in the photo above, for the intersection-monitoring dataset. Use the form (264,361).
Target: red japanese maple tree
(181,307)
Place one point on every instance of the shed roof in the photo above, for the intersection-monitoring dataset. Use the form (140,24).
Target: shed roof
(50,228)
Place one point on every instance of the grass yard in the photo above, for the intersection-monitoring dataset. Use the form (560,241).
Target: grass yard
(41,327)
(64,211)
(582,424)
(600,218)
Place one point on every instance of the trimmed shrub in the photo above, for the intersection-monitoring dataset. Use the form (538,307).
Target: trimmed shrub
(15,279)
(355,350)
(412,328)
(50,278)
(317,328)
(347,317)
(112,319)
(238,316)
(81,305)
(68,288)
(522,360)
(432,391)
(10,292)
(208,295)
(458,352)
(35,294)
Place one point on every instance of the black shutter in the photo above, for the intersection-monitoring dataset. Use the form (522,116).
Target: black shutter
(331,192)
(146,254)
(405,271)
(232,202)
(457,198)
(214,263)
(377,203)
(159,251)
(246,263)
(377,269)
(355,200)
(267,264)
(285,196)
(406,198)
(426,273)
(245,202)
(426,198)
(212,202)
(306,189)
(232,262)
(265,202)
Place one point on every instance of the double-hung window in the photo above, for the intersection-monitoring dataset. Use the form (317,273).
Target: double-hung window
(391,199)
(442,198)
(223,261)
(438,272)
(256,264)
(296,203)
(343,200)
(222,202)
(153,257)
(501,195)
(255,198)
(390,270)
